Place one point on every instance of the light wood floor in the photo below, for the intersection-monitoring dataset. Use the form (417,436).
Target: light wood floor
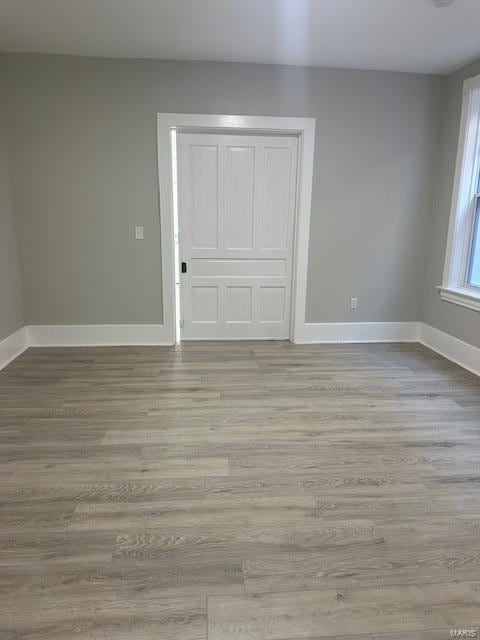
(238,491)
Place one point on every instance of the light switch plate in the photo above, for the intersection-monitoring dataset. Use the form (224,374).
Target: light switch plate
(138,233)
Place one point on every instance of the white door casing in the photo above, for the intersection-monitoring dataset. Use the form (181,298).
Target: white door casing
(237,201)
(304,129)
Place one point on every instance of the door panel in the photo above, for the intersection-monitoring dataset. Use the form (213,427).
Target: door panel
(272,304)
(204,196)
(275,216)
(225,268)
(238,307)
(205,304)
(240,178)
(237,198)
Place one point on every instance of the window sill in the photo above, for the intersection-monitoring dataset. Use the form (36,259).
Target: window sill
(463,297)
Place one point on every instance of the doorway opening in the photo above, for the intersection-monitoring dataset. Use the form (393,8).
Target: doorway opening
(244,256)
(236,195)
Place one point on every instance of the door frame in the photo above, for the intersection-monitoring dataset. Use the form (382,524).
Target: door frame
(304,128)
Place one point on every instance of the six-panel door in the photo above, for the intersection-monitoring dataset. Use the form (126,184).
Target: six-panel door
(237,198)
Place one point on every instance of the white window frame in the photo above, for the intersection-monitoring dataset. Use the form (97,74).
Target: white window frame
(455,287)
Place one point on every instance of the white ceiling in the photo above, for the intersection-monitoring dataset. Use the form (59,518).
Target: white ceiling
(401,35)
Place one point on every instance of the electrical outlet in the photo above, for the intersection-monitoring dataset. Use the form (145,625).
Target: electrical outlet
(353,303)
(138,233)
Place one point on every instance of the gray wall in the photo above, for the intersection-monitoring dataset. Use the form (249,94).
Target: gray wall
(11,312)
(458,321)
(83,156)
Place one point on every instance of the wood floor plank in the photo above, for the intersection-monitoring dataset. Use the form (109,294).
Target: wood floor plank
(243,542)
(196,513)
(352,565)
(134,616)
(170,576)
(307,614)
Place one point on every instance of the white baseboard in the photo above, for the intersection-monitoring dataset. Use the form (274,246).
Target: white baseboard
(338,332)
(12,346)
(98,335)
(459,352)
(455,350)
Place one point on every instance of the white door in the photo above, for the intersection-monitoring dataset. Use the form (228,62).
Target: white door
(237,197)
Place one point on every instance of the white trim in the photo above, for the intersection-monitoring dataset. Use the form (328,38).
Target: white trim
(12,346)
(155,334)
(454,287)
(455,350)
(305,129)
(461,353)
(338,332)
(461,297)
(97,335)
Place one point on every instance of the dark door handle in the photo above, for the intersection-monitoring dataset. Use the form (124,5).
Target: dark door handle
(184,267)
